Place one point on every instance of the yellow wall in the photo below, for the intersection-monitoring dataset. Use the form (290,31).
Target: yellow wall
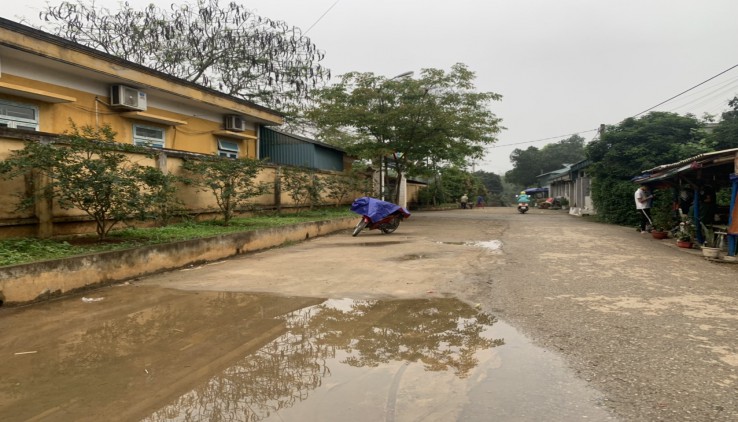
(197,135)
(198,202)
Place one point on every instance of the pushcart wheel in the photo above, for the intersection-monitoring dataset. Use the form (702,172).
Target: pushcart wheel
(359,227)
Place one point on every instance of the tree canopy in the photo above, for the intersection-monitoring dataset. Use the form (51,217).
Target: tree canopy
(725,134)
(532,162)
(418,124)
(223,47)
(636,144)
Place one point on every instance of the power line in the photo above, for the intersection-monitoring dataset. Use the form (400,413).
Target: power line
(544,139)
(684,92)
(644,111)
(321,17)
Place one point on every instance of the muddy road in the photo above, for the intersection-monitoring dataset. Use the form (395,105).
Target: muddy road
(470,315)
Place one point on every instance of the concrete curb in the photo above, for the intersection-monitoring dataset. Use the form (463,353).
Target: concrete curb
(27,283)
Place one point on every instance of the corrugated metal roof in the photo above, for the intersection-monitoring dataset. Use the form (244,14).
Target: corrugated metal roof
(697,158)
(302,138)
(666,171)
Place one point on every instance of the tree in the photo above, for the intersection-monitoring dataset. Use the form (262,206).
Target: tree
(303,185)
(493,184)
(449,184)
(416,124)
(339,187)
(725,134)
(530,163)
(163,205)
(634,145)
(527,164)
(231,181)
(227,48)
(86,170)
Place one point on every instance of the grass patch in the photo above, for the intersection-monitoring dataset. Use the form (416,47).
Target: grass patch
(21,251)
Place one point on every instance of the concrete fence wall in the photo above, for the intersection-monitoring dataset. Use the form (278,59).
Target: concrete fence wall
(42,280)
(47,218)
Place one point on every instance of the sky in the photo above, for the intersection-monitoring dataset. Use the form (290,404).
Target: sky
(563,67)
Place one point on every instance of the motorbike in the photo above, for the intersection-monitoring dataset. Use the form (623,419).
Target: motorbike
(377,214)
(522,207)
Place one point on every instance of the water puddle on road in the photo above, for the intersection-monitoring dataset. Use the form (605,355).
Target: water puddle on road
(493,245)
(153,354)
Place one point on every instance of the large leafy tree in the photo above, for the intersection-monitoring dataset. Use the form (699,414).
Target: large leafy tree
(636,144)
(220,46)
(531,162)
(725,135)
(417,124)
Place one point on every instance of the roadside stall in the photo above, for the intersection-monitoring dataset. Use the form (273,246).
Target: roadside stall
(704,189)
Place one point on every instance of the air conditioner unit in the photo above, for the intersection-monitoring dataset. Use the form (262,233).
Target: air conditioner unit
(122,96)
(235,123)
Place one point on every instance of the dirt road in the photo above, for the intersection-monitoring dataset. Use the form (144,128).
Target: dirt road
(651,326)
(648,329)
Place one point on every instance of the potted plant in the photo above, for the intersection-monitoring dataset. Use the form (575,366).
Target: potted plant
(662,216)
(708,247)
(684,239)
(564,203)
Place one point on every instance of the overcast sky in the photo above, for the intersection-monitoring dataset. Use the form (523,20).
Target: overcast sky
(562,66)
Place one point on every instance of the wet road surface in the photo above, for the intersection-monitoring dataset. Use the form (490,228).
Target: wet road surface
(417,325)
(148,353)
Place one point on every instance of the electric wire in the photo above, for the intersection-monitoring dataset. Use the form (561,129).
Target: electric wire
(544,139)
(635,115)
(685,91)
(321,17)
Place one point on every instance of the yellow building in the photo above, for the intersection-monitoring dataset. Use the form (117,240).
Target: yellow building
(47,82)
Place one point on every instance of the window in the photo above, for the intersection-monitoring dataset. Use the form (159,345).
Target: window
(18,116)
(148,136)
(227,148)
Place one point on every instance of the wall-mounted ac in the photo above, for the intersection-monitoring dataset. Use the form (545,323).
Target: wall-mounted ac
(234,122)
(122,96)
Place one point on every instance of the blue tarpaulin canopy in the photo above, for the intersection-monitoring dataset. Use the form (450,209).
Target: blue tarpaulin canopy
(375,209)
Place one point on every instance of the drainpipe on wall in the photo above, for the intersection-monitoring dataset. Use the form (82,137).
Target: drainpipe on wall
(258,139)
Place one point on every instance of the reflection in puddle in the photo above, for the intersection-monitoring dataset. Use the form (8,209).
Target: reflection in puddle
(147,353)
(354,354)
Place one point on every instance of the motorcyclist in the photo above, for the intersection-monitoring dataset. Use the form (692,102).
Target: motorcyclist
(523,198)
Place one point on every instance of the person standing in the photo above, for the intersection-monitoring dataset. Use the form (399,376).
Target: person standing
(643,206)
(464,201)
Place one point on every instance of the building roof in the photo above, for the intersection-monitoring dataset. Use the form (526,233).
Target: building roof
(304,139)
(702,161)
(16,35)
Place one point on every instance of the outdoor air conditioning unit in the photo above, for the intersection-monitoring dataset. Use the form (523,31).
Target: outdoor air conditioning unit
(122,96)
(235,123)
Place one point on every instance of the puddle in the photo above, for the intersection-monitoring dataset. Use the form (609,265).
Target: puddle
(494,245)
(351,360)
(380,243)
(412,257)
(153,354)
